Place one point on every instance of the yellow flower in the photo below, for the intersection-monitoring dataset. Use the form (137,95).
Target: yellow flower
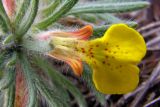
(113,57)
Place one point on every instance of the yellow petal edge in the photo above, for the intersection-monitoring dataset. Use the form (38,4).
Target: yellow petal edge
(115,60)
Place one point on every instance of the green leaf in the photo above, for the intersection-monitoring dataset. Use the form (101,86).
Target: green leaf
(62,91)
(26,24)
(8,78)
(51,96)
(27,70)
(3,25)
(87,76)
(62,10)
(108,7)
(4,16)
(8,39)
(51,8)
(87,17)
(2,98)
(109,18)
(21,12)
(9,74)
(12,61)
(2,60)
(59,78)
(34,82)
(9,96)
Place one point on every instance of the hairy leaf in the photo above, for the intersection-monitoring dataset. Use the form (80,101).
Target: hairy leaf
(108,7)
(59,78)
(62,10)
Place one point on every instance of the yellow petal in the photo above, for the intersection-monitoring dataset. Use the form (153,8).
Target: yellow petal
(124,43)
(114,77)
(114,59)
